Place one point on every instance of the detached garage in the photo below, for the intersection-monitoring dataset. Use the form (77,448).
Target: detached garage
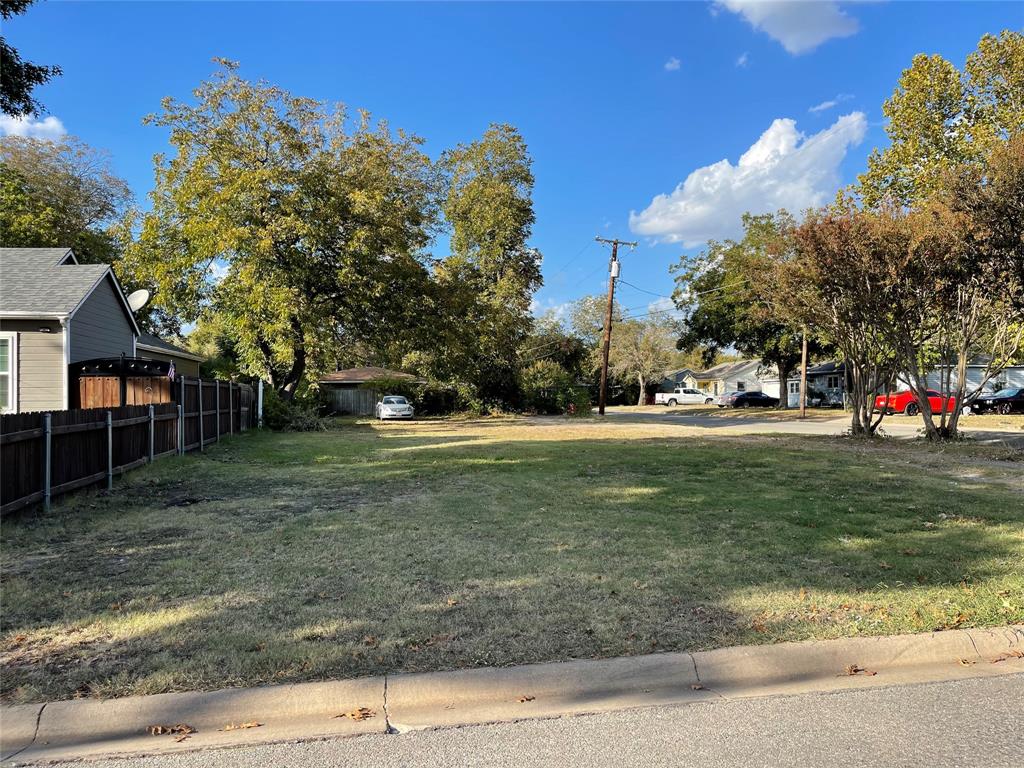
(347,391)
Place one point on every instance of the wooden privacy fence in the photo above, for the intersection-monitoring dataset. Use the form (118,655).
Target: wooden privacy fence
(45,455)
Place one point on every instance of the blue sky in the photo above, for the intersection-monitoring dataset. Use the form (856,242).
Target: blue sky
(619,103)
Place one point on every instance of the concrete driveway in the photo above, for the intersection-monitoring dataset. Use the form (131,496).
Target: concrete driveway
(828,423)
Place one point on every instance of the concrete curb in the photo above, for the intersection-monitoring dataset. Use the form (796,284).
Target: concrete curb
(86,728)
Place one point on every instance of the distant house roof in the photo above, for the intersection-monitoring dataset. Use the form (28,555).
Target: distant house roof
(156,344)
(363,375)
(831,366)
(49,282)
(725,370)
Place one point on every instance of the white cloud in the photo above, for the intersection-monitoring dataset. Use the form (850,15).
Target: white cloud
(663,309)
(743,59)
(830,103)
(672,64)
(783,169)
(48,128)
(800,25)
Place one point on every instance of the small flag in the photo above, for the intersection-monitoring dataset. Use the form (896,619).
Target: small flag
(170,371)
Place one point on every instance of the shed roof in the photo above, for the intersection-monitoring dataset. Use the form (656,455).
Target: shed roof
(363,375)
(149,341)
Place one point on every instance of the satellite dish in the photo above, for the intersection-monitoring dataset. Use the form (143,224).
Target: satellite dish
(138,299)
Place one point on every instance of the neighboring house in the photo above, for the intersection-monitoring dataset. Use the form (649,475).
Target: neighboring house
(681,378)
(347,392)
(55,312)
(1011,376)
(185,363)
(62,322)
(737,376)
(827,379)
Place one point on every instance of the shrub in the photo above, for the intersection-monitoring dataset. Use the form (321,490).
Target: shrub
(297,416)
(548,388)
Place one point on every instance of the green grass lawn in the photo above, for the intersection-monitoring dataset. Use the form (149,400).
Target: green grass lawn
(433,545)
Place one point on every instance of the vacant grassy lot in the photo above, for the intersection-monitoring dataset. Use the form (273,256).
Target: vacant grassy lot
(286,557)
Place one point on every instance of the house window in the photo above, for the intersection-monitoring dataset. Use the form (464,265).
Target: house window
(794,387)
(8,372)
(741,386)
(833,382)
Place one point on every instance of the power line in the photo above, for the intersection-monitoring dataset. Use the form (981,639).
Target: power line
(570,262)
(644,290)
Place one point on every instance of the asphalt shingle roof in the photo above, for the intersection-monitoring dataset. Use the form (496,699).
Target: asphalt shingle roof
(32,283)
(363,375)
(724,370)
(149,340)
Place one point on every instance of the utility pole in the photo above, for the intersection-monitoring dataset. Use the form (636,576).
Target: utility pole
(803,377)
(613,273)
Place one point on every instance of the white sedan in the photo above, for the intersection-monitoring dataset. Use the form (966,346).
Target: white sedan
(394,407)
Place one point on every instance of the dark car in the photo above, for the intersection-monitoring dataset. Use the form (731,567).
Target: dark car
(747,400)
(1003,401)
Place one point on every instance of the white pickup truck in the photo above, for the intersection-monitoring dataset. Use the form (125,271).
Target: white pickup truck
(683,396)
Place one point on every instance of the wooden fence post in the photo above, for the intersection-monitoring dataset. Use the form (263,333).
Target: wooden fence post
(110,452)
(231,409)
(200,414)
(181,429)
(216,386)
(47,437)
(152,425)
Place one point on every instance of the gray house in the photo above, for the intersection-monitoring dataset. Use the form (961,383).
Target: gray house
(738,376)
(54,312)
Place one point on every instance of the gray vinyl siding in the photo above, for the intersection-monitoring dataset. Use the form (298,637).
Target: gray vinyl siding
(40,380)
(100,327)
(182,366)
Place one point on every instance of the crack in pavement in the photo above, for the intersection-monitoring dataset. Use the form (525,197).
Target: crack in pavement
(696,673)
(35,734)
(387,717)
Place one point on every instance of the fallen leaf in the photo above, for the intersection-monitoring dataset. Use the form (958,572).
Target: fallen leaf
(803,593)
(164,730)
(1012,654)
(853,669)
(966,662)
(524,699)
(884,566)
(452,601)
(370,641)
(697,687)
(363,713)
(240,726)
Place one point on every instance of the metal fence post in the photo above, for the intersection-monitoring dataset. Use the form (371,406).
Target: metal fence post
(259,406)
(200,414)
(47,438)
(231,409)
(110,452)
(152,425)
(181,430)
(216,386)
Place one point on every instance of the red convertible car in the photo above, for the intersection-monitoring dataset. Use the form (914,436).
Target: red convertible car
(906,402)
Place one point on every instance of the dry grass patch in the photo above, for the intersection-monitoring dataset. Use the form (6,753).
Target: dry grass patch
(442,544)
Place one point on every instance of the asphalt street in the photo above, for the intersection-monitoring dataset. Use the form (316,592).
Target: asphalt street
(750,422)
(977,722)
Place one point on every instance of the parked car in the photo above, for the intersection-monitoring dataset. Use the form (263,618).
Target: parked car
(684,395)
(747,400)
(1004,401)
(394,407)
(906,402)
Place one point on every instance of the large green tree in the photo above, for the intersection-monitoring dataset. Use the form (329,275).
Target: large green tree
(729,300)
(19,78)
(299,227)
(940,118)
(489,280)
(60,193)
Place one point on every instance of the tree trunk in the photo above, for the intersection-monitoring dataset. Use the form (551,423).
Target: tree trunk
(643,390)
